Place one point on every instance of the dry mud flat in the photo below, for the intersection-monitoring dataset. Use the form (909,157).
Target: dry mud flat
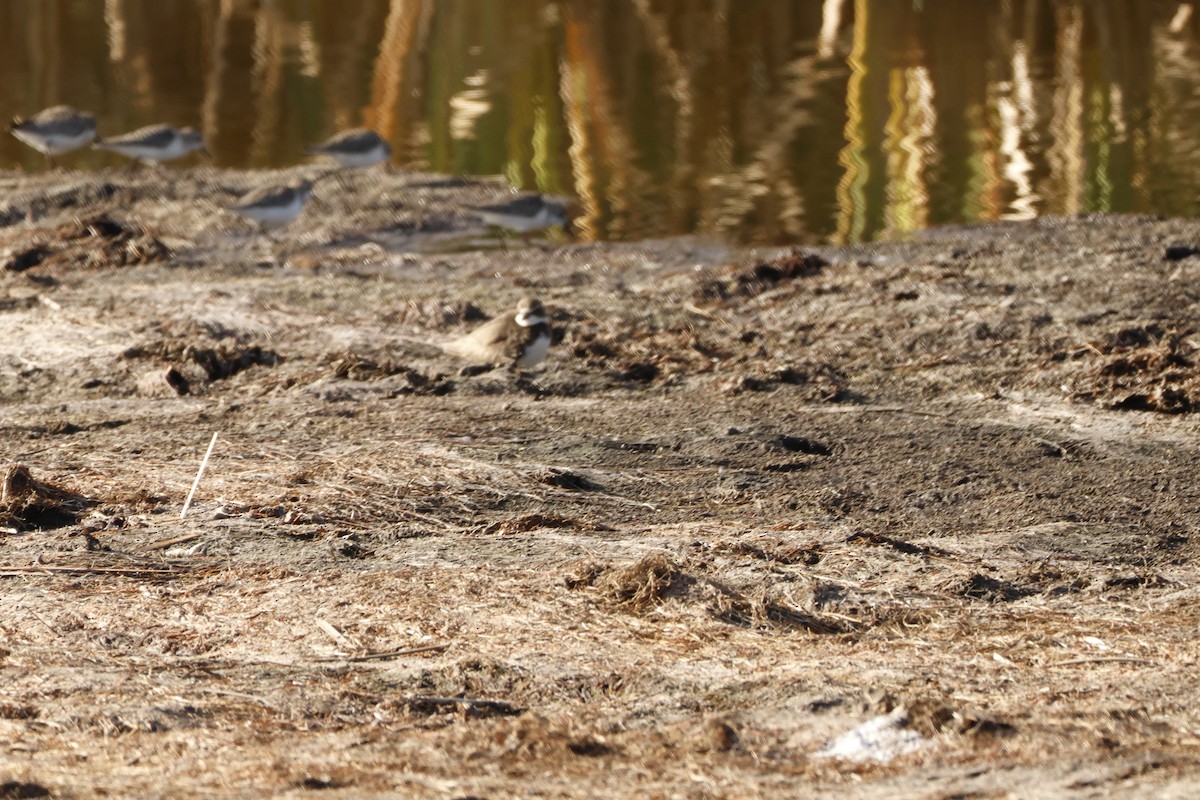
(753,501)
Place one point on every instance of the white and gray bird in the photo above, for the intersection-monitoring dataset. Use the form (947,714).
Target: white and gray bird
(516,339)
(55,131)
(154,143)
(275,206)
(524,213)
(360,147)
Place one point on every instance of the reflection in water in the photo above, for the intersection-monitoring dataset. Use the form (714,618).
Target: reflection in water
(773,121)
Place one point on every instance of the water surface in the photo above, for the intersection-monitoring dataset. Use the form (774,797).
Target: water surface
(763,120)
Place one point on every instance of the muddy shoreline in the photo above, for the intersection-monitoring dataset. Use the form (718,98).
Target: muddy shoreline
(753,499)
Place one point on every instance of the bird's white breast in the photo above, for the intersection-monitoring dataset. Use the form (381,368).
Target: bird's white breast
(518,223)
(275,214)
(143,152)
(366,159)
(535,352)
(54,143)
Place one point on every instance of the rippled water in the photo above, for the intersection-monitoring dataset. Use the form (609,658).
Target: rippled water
(764,120)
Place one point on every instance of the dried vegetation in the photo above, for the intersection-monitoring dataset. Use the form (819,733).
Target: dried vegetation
(741,510)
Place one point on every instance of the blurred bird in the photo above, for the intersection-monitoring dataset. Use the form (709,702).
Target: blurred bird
(55,131)
(525,214)
(154,143)
(274,206)
(359,147)
(517,339)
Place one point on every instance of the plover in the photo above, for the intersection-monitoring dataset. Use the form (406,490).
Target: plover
(275,206)
(55,131)
(524,214)
(359,147)
(517,339)
(154,143)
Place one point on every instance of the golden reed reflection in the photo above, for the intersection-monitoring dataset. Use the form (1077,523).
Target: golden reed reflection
(773,121)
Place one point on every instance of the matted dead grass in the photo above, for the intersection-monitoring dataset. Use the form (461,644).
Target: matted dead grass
(355,703)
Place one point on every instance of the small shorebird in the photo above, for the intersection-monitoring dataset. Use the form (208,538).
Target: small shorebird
(55,131)
(359,147)
(154,143)
(274,206)
(517,339)
(524,214)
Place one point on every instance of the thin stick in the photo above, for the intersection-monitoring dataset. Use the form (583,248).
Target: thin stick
(199,473)
(334,633)
(429,648)
(134,572)
(1104,660)
(165,543)
(239,695)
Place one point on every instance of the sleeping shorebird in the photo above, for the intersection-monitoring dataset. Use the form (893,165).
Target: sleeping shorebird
(154,143)
(274,206)
(517,339)
(359,147)
(55,131)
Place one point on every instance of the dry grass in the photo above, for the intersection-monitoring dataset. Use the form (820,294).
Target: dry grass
(667,561)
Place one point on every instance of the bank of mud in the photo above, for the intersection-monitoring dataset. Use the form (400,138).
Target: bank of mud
(751,500)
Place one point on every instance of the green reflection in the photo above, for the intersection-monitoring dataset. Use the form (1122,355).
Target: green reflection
(764,120)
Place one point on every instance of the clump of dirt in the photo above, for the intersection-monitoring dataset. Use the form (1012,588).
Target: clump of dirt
(775,551)
(761,277)
(24,258)
(471,678)
(642,353)
(23,789)
(351,366)
(532,522)
(361,368)
(649,582)
(820,382)
(759,610)
(468,707)
(435,313)
(984,587)
(35,202)
(565,479)
(164,383)
(26,502)
(217,362)
(1144,368)
(223,362)
(99,242)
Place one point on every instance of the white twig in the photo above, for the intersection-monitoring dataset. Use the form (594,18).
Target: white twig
(199,474)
